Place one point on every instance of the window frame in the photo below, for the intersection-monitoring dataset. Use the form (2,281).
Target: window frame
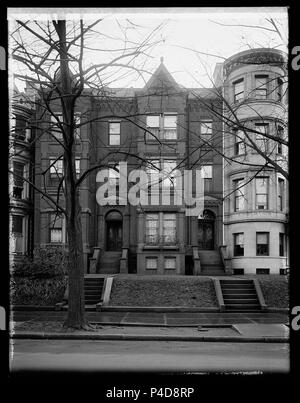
(267,178)
(263,88)
(110,135)
(267,245)
(160,228)
(238,96)
(54,171)
(53,217)
(280,193)
(161,130)
(238,250)
(282,247)
(237,188)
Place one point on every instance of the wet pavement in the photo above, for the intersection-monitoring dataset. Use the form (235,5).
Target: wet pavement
(170,319)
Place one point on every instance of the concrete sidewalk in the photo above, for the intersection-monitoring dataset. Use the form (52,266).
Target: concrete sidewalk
(227,327)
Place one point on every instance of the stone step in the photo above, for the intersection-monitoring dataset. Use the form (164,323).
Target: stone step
(242,306)
(237,286)
(225,281)
(240,295)
(230,301)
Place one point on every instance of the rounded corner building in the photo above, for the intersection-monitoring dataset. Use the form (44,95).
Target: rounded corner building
(255,184)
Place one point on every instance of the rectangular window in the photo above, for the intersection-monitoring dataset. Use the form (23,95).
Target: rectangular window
(261,138)
(261,193)
(160,228)
(261,83)
(280,194)
(56,168)
(20,127)
(77,167)
(281,244)
(206,174)
(168,173)
(56,228)
(238,271)
(169,228)
(170,127)
(206,131)
(239,145)
(56,125)
(238,88)
(163,127)
(263,271)
(77,120)
(17,224)
(152,229)
(114,133)
(239,194)
(280,134)
(18,169)
(170,264)
(262,244)
(113,175)
(238,244)
(151,263)
(279,89)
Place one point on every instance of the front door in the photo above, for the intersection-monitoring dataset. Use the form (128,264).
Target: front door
(206,234)
(114,235)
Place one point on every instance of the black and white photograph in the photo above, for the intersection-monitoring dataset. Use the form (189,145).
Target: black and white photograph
(148,177)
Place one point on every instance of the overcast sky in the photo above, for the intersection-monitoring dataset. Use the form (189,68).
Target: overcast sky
(194,28)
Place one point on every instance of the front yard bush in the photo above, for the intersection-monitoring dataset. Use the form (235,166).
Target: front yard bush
(40,280)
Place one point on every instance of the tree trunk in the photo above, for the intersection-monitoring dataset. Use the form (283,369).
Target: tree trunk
(76,312)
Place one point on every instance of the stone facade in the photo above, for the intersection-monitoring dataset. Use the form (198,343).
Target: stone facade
(168,126)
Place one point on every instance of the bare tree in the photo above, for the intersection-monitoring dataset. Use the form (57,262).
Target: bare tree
(51,59)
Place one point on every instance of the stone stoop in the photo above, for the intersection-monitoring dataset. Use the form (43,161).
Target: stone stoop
(211,263)
(240,295)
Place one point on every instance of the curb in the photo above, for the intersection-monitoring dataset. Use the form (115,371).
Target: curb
(138,337)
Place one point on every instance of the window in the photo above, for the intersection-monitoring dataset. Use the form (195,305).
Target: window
(238,271)
(206,131)
(77,167)
(162,171)
(239,194)
(161,228)
(262,190)
(18,169)
(280,134)
(280,193)
(151,263)
(261,87)
(279,89)
(281,244)
(55,126)
(56,168)
(20,127)
(261,139)
(77,120)
(239,145)
(238,88)
(262,244)
(168,168)
(238,244)
(113,175)
(152,228)
(206,174)
(169,228)
(163,127)
(17,224)
(169,127)
(56,228)
(263,271)
(114,133)
(170,264)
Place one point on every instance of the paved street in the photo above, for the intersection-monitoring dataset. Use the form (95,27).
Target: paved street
(163,356)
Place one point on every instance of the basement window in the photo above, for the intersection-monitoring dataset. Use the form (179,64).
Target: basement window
(238,271)
(262,271)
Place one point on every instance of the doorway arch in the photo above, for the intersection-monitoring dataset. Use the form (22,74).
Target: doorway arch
(206,230)
(114,229)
